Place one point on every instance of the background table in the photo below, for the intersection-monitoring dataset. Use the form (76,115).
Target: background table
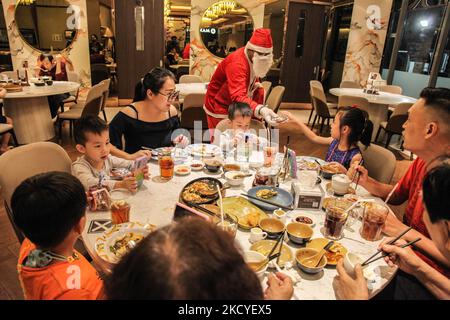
(30,111)
(155,204)
(378,111)
(188,88)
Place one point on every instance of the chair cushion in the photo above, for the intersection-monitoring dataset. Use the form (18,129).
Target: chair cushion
(4,127)
(72,114)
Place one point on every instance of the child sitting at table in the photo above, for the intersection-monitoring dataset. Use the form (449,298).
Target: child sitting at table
(96,165)
(49,209)
(239,118)
(350,125)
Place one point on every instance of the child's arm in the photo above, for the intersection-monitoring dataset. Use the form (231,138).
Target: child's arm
(84,173)
(307,131)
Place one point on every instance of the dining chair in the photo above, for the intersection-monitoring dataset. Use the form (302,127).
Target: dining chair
(72,76)
(92,105)
(323,112)
(190,78)
(350,101)
(379,162)
(267,85)
(26,161)
(8,128)
(275,97)
(349,84)
(193,111)
(391,89)
(321,95)
(99,72)
(395,123)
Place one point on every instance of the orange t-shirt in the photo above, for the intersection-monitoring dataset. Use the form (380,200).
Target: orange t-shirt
(63,280)
(410,188)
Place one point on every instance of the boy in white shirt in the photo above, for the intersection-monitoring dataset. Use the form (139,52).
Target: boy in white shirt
(96,165)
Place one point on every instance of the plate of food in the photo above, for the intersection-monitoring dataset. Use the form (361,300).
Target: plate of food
(201,191)
(308,163)
(248,214)
(119,239)
(334,254)
(203,150)
(265,246)
(339,202)
(272,194)
(328,170)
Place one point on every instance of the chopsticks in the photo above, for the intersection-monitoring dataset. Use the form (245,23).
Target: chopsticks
(390,243)
(386,254)
(276,244)
(357,173)
(267,201)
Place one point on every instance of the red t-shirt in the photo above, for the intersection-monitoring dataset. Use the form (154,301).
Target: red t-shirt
(76,280)
(410,188)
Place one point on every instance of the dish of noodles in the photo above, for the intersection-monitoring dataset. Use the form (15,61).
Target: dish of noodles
(201,191)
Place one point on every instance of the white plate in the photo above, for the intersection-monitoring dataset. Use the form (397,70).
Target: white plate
(203,150)
(107,239)
(181,173)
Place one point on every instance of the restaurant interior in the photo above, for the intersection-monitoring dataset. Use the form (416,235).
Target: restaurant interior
(312,170)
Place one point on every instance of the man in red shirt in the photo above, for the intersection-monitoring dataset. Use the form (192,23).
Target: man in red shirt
(426,134)
(237,79)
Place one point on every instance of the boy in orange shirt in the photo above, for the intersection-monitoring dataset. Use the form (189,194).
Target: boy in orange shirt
(49,209)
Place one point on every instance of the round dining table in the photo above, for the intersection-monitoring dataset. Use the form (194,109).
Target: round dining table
(155,203)
(30,112)
(379,103)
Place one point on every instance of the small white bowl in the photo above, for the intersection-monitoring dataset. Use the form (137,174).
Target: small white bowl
(254,256)
(182,170)
(229,176)
(198,165)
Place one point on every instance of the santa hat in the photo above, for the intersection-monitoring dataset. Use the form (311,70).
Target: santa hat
(261,41)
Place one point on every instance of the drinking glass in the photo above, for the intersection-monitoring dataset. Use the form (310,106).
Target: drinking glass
(270,154)
(120,207)
(166,165)
(374,217)
(335,220)
(229,225)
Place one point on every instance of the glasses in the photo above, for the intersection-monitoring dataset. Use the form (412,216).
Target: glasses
(172,96)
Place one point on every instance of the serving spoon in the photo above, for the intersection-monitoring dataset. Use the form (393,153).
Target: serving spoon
(314,260)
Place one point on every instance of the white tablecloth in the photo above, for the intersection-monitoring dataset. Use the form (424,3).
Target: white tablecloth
(155,204)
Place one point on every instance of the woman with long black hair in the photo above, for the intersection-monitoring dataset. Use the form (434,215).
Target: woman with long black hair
(150,121)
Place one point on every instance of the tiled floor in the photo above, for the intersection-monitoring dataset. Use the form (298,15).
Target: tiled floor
(9,246)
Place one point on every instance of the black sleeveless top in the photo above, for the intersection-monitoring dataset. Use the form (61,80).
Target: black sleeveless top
(138,133)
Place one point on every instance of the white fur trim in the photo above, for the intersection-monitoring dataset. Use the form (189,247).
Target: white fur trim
(253,47)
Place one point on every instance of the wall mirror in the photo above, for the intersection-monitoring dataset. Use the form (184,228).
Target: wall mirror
(225,27)
(47,25)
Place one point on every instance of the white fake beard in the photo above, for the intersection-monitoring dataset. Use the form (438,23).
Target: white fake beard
(262,64)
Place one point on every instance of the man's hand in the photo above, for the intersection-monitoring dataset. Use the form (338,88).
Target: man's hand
(404,258)
(279,287)
(348,288)
(363,173)
(393,226)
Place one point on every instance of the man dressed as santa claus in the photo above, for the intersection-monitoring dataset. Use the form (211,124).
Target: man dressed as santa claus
(237,79)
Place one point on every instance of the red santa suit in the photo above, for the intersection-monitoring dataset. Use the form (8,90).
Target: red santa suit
(235,81)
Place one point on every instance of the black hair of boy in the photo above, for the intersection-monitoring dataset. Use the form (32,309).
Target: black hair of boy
(436,186)
(88,124)
(47,206)
(239,108)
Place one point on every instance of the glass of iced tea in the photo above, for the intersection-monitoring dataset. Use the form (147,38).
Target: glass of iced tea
(374,217)
(120,207)
(166,165)
(270,154)
(335,220)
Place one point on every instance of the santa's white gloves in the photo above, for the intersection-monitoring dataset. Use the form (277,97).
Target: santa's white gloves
(267,114)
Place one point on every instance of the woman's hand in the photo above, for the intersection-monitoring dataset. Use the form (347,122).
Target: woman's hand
(181,141)
(348,288)
(139,154)
(280,287)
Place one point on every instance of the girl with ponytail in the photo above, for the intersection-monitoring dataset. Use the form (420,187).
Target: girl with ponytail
(350,126)
(151,121)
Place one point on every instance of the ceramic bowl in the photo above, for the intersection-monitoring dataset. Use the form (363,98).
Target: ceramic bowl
(272,226)
(305,253)
(232,181)
(254,257)
(299,233)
